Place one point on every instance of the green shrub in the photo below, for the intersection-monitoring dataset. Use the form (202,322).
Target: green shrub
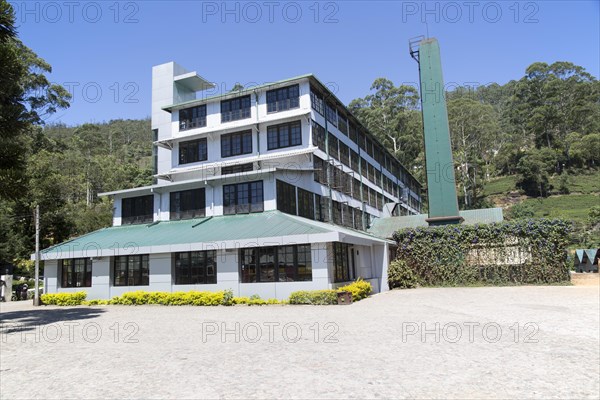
(487,254)
(191,298)
(314,297)
(359,289)
(63,299)
(254,300)
(400,276)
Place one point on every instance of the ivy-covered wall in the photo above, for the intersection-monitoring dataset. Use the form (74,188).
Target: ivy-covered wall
(527,251)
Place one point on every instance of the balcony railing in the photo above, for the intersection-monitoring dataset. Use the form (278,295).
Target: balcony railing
(282,105)
(192,123)
(235,115)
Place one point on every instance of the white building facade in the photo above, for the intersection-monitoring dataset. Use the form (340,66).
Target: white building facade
(265,191)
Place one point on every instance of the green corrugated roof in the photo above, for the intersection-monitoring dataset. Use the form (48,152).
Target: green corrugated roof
(385,227)
(201,230)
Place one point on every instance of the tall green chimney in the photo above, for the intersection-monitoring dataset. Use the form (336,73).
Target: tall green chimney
(441,184)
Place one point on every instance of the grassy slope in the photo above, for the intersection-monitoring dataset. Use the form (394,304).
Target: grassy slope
(585,190)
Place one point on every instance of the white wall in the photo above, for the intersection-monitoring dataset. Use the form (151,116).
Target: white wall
(162,278)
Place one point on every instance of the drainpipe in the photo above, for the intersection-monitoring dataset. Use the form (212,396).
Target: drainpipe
(257,124)
(330,202)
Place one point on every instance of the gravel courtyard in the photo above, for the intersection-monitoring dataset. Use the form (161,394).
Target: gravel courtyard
(525,342)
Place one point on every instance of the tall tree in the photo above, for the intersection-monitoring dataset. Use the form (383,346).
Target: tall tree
(391,115)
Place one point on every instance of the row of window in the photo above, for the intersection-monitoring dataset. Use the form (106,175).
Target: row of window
(337,117)
(239,198)
(297,201)
(238,143)
(262,264)
(345,183)
(340,151)
(238,108)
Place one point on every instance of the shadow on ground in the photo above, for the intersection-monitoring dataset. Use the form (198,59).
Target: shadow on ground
(24,320)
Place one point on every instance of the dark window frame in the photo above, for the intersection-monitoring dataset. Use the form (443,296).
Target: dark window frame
(236,109)
(78,279)
(143,279)
(277,137)
(193,151)
(246,190)
(343,262)
(283,99)
(196,119)
(237,168)
(236,143)
(192,278)
(184,211)
(272,254)
(134,210)
(286,197)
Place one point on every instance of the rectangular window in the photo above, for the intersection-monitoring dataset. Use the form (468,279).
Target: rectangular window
(243,198)
(195,267)
(286,197)
(320,167)
(237,168)
(353,133)
(76,272)
(188,204)
(364,168)
(131,270)
(306,204)
(193,151)
(237,143)
(316,101)
(284,135)
(235,109)
(318,208)
(333,147)
(318,136)
(343,124)
(343,262)
(344,154)
(137,210)
(194,117)
(283,99)
(276,264)
(354,161)
(331,115)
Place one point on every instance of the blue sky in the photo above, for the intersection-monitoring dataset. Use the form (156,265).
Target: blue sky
(103,51)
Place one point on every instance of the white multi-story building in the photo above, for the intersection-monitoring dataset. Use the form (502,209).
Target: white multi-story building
(266,191)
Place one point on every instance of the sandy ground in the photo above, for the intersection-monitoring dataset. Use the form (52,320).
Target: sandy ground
(525,342)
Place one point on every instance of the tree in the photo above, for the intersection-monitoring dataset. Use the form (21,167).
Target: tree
(391,114)
(26,99)
(533,177)
(473,126)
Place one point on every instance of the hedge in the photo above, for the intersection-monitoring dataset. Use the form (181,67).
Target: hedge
(459,255)
(359,290)
(63,299)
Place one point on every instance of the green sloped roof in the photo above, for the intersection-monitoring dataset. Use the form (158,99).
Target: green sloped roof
(385,227)
(200,230)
